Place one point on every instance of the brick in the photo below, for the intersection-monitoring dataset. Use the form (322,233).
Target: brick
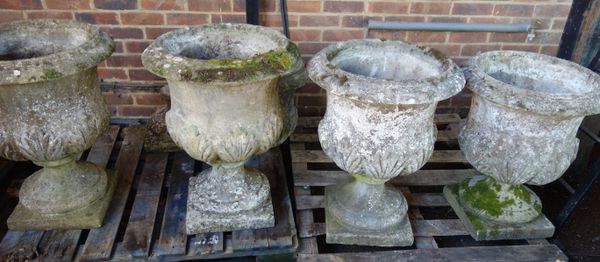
(342,35)
(115,97)
(447,19)
(513,10)
(263,5)
(319,21)
(304,6)
(124,61)
(310,88)
(387,34)
(305,35)
(311,48)
(508,37)
(150,99)
(472,9)
(546,38)
(551,10)
(471,50)
(135,110)
(112,73)
(343,7)
(21,4)
(97,18)
(142,75)
(358,21)
(163,4)
(210,5)
(549,50)
(528,48)
(388,7)
(187,19)
(124,32)
(448,49)
(119,47)
(318,100)
(436,8)
(68,5)
(490,20)
(468,37)
(426,37)
(558,24)
(136,46)
(49,15)
(115,4)
(7,16)
(142,19)
(270,20)
(405,18)
(154,32)
(227,18)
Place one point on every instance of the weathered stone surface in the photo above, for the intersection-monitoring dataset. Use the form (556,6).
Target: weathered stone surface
(482,229)
(521,128)
(381,98)
(227,104)
(53,110)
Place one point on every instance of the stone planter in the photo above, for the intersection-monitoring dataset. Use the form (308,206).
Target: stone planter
(52,110)
(225,108)
(381,99)
(521,128)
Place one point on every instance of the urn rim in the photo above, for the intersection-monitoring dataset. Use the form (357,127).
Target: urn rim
(376,89)
(221,53)
(62,48)
(558,88)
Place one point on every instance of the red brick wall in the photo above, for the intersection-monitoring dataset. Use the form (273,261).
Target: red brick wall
(314,24)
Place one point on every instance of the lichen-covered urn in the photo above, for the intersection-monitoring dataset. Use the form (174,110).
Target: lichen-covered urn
(226,106)
(525,113)
(51,110)
(381,99)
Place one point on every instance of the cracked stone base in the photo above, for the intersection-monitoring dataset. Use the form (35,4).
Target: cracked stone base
(337,233)
(198,221)
(485,230)
(91,216)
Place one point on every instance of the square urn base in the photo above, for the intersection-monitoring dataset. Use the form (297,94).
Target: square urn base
(337,233)
(200,221)
(485,230)
(91,216)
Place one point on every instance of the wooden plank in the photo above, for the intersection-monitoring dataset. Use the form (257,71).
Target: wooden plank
(442,136)
(480,253)
(424,228)
(308,245)
(318,156)
(313,121)
(20,246)
(414,199)
(172,240)
(62,244)
(420,241)
(249,239)
(419,178)
(100,241)
(138,234)
(207,244)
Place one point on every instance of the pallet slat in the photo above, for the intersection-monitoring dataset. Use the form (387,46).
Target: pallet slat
(318,156)
(414,199)
(100,241)
(172,239)
(138,234)
(419,178)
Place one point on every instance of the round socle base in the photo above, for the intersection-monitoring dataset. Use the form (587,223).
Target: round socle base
(498,202)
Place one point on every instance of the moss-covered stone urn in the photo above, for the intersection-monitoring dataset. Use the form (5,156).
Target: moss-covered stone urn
(226,106)
(381,99)
(51,110)
(525,113)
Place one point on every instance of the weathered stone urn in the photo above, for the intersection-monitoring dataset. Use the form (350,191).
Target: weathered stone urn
(226,106)
(525,113)
(381,99)
(51,110)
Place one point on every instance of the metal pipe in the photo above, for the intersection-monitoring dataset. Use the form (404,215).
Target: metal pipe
(451,27)
(252,7)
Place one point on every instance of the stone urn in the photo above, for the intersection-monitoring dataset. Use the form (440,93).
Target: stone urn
(226,106)
(51,110)
(525,113)
(381,100)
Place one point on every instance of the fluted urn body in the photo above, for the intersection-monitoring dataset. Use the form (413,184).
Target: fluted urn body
(381,99)
(51,110)
(521,129)
(226,106)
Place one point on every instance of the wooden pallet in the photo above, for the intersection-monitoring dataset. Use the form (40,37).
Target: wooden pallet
(147,214)
(439,235)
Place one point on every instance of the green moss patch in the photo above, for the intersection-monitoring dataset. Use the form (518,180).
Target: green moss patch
(50,73)
(483,195)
